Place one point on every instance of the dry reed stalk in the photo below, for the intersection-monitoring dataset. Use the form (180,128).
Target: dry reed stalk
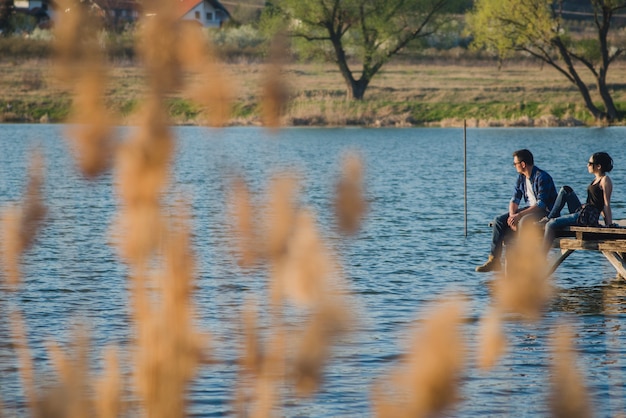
(24,359)
(21,223)
(109,387)
(143,173)
(92,132)
(569,396)
(75,40)
(281,207)
(491,339)
(525,288)
(213,91)
(169,349)
(158,42)
(268,382)
(210,86)
(70,396)
(262,371)
(139,234)
(275,91)
(306,270)
(350,204)
(328,321)
(143,161)
(309,276)
(245,230)
(80,65)
(303,272)
(252,354)
(425,382)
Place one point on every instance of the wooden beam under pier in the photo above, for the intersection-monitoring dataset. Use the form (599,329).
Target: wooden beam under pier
(611,242)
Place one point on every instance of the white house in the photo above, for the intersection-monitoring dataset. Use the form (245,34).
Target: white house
(28,4)
(209,13)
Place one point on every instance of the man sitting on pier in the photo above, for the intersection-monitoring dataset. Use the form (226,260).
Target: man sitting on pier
(537,189)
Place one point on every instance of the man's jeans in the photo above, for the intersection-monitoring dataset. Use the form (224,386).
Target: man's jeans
(502,231)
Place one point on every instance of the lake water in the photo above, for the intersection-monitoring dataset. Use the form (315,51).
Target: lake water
(411,250)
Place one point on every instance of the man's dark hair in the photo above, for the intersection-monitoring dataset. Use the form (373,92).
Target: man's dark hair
(524,155)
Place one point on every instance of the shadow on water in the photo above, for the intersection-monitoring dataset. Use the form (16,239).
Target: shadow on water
(607,298)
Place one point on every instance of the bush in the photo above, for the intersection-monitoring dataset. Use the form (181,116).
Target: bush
(18,47)
(239,42)
(121,46)
(39,34)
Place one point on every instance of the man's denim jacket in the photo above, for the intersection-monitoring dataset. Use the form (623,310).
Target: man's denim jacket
(543,186)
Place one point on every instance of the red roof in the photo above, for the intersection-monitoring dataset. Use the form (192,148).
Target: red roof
(185,6)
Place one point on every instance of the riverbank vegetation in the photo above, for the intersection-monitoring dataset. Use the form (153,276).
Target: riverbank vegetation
(433,91)
(438,80)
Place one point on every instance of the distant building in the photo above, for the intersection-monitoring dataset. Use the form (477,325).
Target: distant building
(117,13)
(208,13)
(29,4)
(38,9)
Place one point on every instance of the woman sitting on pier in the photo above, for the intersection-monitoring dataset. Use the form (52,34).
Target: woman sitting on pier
(598,201)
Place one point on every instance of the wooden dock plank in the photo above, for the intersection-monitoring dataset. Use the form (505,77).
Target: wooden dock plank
(611,242)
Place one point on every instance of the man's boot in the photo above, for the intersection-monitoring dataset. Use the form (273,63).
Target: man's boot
(492,264)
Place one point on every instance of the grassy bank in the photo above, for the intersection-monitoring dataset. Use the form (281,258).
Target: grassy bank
(423,94)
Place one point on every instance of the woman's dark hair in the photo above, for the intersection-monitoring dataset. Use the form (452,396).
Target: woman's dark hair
(525,156)
(604,160)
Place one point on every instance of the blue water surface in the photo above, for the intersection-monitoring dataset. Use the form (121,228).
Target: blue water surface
(411,250)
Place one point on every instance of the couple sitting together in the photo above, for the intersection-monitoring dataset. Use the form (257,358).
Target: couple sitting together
(536,187)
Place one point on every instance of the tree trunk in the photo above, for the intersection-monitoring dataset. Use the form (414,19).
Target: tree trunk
(609,105)
(604,26)
(577,81)
(357,88)
(593,109)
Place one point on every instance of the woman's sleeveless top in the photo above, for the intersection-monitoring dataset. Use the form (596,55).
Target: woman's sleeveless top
(595,196)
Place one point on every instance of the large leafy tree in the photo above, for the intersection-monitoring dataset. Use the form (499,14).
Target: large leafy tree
(365,33)
(539,28)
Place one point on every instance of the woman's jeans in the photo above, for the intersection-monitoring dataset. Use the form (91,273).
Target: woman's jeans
(566,196)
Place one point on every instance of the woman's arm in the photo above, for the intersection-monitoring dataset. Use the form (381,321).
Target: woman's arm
(607,188)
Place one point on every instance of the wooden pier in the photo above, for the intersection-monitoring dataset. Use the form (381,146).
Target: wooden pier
(611,242)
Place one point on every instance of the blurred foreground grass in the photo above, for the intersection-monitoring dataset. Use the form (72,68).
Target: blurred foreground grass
(167,348)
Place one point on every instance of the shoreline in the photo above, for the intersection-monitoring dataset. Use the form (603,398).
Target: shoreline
(542,122)
(547,121)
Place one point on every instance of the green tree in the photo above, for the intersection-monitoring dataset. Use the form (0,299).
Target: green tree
(539,28)
(6,12)
(367,33)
